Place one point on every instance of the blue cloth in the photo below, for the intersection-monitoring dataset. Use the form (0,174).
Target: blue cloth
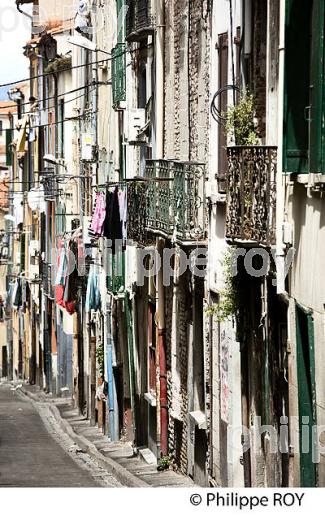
(93,300)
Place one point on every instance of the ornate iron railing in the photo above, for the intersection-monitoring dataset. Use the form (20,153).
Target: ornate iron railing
(50,189)
(251,194)
(118,74)
(47,280)
(168,201)
(139,19)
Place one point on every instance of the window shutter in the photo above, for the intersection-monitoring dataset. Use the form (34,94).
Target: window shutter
(316,89)
(9,137)
(297,84)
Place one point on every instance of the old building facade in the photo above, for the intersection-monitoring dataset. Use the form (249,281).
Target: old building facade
(157,133)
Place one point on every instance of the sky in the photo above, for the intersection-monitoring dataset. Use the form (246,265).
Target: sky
(14,32)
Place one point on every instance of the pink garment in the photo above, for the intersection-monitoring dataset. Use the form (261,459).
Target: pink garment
(99,215)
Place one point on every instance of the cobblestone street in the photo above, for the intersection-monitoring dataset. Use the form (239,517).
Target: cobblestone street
(34,452)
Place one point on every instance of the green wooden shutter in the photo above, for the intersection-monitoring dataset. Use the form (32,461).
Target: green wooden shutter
(120,19)
(316,89)
(297,84)
(9,137)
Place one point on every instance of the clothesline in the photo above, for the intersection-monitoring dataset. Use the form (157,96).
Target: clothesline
(134,179)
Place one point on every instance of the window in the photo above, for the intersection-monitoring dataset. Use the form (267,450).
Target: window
(1,127)
(303,104)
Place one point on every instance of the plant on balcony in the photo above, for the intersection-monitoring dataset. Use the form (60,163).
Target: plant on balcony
(227,306)
(240,125)
(59,64)
(100,359)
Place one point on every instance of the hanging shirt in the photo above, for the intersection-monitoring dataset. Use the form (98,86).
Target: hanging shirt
(123,207)
(112,224)
(82,17)
(62,267)
(99,215)
(93,300)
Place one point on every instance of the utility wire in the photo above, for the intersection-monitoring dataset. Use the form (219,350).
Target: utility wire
(52,97)
(62,70)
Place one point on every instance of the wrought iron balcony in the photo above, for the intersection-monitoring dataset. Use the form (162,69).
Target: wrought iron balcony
(47,280)
(118,74)
(251,194)
(168,201)
(139,19)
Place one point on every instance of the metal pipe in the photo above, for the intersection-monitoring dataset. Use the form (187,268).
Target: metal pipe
(109,369)
(280,246)
(159,98)
(162,357)
(131,362)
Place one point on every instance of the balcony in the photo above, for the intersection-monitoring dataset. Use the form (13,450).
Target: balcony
(139,19)
(169,201)
(47,282)
(251,194)
(118,75)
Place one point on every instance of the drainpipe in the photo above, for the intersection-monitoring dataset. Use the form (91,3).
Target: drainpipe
(162,412)
(10,228)
(109,369)
(18,4)
(162,356)
(159,98)
(264,324)
(280,246)
(131,362)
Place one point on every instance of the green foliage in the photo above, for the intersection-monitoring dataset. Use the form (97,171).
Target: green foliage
(228,302)
(100,359)
(59,64)
(240,122)
(164,462)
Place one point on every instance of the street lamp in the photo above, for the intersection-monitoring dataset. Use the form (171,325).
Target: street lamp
(84,43)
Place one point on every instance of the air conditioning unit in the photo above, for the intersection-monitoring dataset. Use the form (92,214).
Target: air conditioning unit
(136,122)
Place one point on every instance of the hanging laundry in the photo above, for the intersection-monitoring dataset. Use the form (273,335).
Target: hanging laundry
(98,218)
(123,207)
(61,276)
(71,284)
(93,300)
(82,19)
(62,267)
(112,223)
(17,297)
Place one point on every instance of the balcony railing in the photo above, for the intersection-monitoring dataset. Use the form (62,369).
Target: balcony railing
(139,19)
(47,280)
(168,201)
(118,74)
(251,194)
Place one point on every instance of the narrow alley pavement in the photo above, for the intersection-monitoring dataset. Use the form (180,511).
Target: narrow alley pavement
(30,456)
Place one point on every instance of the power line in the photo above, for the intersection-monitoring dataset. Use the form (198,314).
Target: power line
(52,97)
(61,70)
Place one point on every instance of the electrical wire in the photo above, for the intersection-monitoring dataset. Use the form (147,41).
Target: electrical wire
(62,70)
(52,97)
(215,111)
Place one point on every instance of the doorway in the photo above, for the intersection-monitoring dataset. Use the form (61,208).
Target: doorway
(306,394)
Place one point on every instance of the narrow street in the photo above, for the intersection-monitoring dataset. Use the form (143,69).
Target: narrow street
(31,457)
